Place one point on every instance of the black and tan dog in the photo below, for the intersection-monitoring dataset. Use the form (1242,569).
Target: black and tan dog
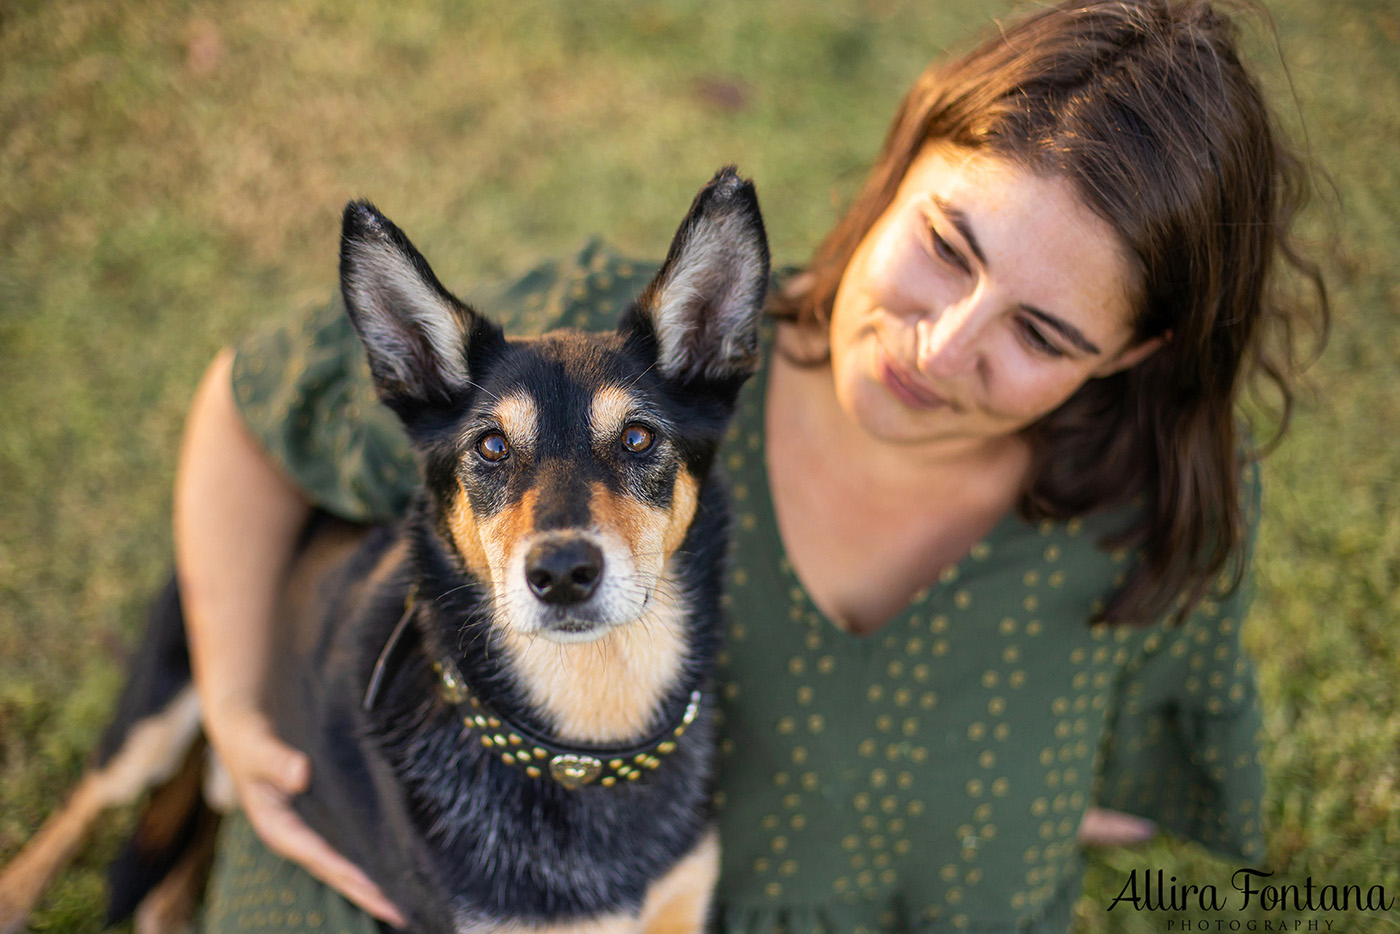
(506,696)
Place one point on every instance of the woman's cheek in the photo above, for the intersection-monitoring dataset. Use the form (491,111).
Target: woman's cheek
(900,270)
(1032,389)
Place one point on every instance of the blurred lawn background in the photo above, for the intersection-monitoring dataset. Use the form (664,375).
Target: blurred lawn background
(171,173)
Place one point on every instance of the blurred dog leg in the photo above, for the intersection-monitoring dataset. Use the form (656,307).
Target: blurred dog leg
(170,907)
(154,748)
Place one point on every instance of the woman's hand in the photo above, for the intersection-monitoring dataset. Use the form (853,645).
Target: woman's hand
(266,775)
(237,520)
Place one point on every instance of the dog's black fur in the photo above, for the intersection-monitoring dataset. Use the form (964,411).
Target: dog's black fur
(458,838)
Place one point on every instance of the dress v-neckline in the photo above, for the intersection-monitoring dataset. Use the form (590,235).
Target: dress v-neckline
(942,587)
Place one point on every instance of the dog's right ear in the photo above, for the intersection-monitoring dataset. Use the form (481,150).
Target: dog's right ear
(702,310)
(416,333)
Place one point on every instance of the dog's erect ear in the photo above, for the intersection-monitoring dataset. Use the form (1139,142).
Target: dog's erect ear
(703,306)
(415,332)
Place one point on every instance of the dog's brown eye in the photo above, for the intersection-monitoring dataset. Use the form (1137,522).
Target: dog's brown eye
(637,439)
(493,447)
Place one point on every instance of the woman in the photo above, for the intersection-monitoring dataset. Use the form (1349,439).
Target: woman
(994,510)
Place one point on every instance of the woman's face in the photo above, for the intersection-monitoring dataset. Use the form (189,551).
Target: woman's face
(982,299)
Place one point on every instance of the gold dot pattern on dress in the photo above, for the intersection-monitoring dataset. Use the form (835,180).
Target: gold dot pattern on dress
(890,825)
(970,667)
(249,891)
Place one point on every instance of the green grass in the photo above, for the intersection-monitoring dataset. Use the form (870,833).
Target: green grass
(172,172)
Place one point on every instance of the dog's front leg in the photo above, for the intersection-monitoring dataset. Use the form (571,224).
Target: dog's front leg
(152,751)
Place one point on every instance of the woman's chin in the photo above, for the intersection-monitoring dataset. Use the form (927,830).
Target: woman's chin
(883,416)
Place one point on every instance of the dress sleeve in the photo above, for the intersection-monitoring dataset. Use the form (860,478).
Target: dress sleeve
(1184,747)
(304,389)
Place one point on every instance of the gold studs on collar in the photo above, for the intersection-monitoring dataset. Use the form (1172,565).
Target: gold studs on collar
(570,767)
(451,687)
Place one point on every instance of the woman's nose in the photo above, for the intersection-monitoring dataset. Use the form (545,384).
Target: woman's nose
(949,340)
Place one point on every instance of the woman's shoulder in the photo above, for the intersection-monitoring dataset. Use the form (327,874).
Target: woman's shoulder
(587,289)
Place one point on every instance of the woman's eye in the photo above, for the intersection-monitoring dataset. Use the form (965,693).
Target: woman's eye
(944,250)
(637,439)
(493,447)
(1037,341)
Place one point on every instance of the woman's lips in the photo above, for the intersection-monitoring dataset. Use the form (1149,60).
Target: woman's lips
(904,385)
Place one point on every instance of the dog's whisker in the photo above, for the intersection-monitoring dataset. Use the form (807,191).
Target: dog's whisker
(638,377)
(481,388)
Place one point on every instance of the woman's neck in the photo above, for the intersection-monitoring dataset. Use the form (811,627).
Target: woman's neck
(867,523)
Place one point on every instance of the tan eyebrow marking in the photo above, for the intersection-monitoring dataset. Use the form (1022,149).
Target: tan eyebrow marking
(609,411)
(519,419)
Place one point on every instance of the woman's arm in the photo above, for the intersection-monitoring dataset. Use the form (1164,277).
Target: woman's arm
(237,520)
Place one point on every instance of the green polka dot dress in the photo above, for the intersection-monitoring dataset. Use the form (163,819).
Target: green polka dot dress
(929,777)
(933,775)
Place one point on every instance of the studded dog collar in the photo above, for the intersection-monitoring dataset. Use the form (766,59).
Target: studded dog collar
(570,766)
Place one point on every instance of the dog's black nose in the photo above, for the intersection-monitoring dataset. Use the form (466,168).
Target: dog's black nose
(564,571)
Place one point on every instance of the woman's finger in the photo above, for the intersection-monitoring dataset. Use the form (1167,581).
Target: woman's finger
(281,766)
(288,836)
(267,773)
(1102,827)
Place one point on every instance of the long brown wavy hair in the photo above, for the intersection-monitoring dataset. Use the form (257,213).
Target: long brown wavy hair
(1146,108)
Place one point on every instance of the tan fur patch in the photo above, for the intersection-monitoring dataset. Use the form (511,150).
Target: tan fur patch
(609,411)
(653,534)
(519,419)
(679,901)
(604,691)
(684,497)
(466,535)
(491,546)
(26,877)
(152,752)
(388,564)
(638,524)
(503,533)
(301,598)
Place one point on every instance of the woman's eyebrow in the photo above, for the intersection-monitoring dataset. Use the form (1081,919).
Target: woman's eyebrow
(958,218)
(1062,327)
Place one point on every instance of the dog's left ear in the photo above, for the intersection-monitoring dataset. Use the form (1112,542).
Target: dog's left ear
(703,307)
(415,332)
